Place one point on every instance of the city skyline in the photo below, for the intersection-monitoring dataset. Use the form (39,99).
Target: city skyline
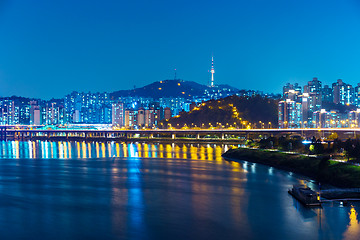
(312,105)
(259,90)
(157,119)
(114,46)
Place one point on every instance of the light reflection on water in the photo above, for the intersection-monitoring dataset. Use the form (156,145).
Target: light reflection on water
(112,190)
(79,150)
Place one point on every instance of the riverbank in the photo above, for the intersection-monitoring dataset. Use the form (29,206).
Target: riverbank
(318,168)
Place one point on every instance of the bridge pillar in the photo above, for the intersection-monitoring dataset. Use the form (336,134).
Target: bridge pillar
(173,136)
(151,135)
(222,136)
(198,136)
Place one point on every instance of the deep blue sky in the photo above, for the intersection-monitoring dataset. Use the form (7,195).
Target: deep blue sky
(51,48)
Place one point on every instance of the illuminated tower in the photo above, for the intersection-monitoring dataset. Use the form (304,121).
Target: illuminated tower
(212,72)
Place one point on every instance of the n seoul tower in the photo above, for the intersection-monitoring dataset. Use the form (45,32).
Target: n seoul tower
(212,72)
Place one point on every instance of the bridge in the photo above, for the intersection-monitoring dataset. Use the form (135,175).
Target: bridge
(29,132)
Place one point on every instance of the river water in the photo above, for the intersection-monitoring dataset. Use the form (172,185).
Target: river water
(78,190)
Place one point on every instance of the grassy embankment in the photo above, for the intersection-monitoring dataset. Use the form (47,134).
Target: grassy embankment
(319,168)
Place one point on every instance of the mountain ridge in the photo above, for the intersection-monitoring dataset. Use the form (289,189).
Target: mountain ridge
(168,88)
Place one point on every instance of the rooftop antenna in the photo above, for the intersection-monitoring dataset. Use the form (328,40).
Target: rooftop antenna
(175,74)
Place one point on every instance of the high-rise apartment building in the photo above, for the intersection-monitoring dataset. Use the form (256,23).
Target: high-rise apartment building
(9,113)
(357,95)
(343,93)
(326,94)
(52,114)
(35,113)
(313,88)
(291,91)
(117,114)
(313,113)
(130,118)
(290,114)
(88,108)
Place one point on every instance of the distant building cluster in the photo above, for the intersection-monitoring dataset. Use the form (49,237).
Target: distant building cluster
(101,108)
(317,106)
(252,93)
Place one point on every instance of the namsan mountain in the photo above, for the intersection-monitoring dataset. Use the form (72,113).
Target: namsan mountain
(169,88)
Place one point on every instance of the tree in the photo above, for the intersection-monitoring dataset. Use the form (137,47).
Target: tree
(333,136)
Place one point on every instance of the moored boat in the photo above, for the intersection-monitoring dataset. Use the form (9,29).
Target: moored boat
(305,195)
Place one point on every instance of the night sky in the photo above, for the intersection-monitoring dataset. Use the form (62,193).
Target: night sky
(51,48)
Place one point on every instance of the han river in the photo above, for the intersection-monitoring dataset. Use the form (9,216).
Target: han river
(111,190)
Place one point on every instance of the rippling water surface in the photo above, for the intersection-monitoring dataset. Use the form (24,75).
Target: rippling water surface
(80,190)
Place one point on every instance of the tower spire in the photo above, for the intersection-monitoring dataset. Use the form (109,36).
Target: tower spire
(212,72)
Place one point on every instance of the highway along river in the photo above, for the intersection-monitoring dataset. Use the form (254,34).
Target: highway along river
(94,190)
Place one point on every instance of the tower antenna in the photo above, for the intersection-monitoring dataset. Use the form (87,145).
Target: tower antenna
(212,72)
